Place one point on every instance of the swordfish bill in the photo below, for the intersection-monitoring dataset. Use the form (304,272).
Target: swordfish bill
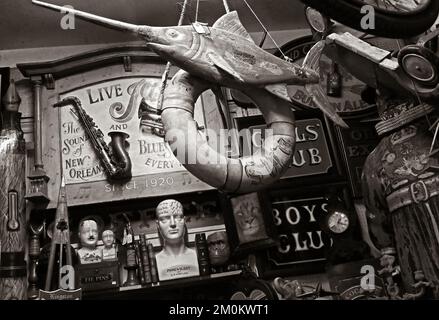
(110,23)
(225,56)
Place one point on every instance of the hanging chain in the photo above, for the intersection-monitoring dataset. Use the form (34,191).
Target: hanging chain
(196,10)
(226,6)
(168,65)
(265,29)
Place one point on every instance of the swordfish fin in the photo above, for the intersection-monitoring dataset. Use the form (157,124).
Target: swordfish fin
(230,22)
(280,90)
(321,100)
(315,90)
(223,65)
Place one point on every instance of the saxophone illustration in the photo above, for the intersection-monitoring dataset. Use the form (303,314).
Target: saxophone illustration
(113,157)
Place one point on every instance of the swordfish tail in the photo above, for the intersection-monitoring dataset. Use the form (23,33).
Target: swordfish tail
(315,90)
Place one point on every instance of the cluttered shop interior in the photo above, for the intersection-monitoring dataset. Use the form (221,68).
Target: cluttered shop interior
(271,150)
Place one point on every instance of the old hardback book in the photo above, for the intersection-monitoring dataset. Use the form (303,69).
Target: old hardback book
(152,263)
(139,262)
(145,259)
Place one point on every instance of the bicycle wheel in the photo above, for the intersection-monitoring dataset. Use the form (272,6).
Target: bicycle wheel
(393,18)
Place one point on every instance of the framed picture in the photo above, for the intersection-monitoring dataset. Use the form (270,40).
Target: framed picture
(356,144)
(249,222)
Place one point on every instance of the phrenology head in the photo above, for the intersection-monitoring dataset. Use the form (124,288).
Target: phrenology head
(170,220)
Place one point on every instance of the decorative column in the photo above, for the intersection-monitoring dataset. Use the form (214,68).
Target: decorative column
(13,270)
(38,177)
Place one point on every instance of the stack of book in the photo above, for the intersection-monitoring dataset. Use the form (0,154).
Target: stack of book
(147,263)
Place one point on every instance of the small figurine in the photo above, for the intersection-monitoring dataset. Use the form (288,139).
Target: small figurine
(389,271)
(288,289)
(109,252)
(88,234)
(219,249)
(294,290)
(421,286)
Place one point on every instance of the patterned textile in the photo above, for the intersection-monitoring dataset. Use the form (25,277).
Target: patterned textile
(400,187)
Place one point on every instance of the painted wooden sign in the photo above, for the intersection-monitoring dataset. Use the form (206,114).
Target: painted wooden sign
(121,105)
(302,243)
(311,156)
(60,294)
(358,143)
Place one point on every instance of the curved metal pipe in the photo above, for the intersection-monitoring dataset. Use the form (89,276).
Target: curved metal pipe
(246,174)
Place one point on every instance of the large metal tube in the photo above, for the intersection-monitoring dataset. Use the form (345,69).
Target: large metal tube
(242,175)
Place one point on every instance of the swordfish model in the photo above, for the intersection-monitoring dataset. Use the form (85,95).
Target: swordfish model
(224,55)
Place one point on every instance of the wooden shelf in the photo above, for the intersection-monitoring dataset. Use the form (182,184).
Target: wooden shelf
(161,286)
(179,282)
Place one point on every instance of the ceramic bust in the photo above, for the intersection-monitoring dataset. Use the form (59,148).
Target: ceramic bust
(176,259)
(109,252)
(89,236)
